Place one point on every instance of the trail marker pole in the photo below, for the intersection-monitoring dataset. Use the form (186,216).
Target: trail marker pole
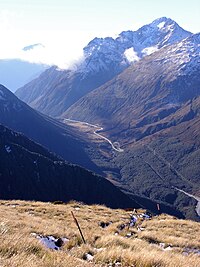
(158,207)
(76,222)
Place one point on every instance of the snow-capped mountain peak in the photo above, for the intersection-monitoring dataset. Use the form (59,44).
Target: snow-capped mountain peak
(103,54)
(103,59)
(186,54)
(161,22)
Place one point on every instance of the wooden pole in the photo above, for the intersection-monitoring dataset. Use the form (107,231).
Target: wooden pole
(76,222)
(158,207)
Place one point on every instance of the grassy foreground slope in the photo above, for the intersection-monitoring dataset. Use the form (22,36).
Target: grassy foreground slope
(161,241)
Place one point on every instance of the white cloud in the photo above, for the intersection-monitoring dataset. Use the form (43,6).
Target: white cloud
(62,49)
(131,55)
(7,19)
(53,54)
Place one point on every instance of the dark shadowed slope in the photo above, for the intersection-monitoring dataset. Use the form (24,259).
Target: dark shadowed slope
(53,135)
(28,171)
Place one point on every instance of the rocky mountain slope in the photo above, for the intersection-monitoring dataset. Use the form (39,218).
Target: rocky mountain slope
(150,90)
(103,59)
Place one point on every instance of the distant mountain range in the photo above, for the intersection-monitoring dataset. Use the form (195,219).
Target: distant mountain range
(147,93)
(15,73)
(143,89)
(55,91)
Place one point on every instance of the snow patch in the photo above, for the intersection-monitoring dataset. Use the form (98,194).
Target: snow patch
(161,25)
(7,148)
(88,257)
(149,50)
(50,241)
(131,55)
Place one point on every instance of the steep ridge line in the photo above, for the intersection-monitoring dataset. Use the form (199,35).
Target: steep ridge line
(115,146)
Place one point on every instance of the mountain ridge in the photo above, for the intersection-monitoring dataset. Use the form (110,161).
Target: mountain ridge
(42,129)
(15,73)
(104,58)
(30,172)
(153,103)
(143,89)
(163,72)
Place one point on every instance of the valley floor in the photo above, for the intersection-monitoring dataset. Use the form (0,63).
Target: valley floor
(91,133)
(126,165)
(160,241)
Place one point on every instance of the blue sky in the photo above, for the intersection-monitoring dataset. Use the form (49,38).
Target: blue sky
(65,26)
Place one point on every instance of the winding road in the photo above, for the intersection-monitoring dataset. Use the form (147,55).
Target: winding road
(115,146)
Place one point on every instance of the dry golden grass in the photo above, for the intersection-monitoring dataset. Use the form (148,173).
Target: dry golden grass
(18,248)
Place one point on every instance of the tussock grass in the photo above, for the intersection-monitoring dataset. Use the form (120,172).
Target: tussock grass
(179,233)
(108,246)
